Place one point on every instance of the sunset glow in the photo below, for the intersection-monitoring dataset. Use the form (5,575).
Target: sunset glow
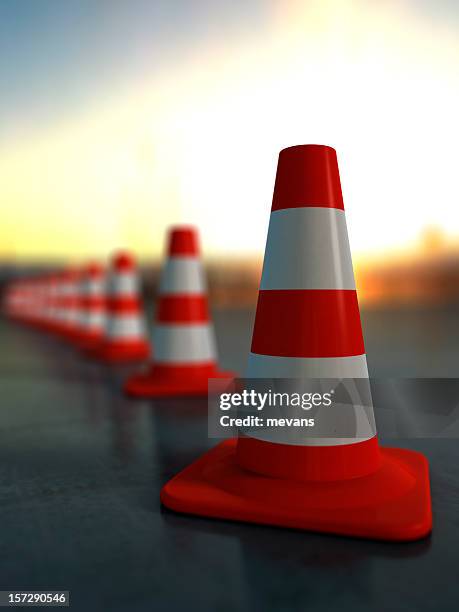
(197,141)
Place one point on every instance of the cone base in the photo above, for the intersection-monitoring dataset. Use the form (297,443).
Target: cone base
(152,385)
(90,347)
(393,503)
(89,343)
(121,353)
(74,337)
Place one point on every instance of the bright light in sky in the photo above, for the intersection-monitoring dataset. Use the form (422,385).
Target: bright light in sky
(198,141)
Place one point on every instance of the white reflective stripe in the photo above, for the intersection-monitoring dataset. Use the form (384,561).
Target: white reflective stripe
(282,437)
(351,422)
(96,319)
(125,326)
(93,319)
(307,248)
(65,289)
(184,343)
(93,287)
(340,423)
(125,283)
(182,275)
(267,366)
(71,315)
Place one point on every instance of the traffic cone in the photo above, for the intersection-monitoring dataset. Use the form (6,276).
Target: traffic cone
(33,308)
(41,291)
(125,338)
(185,353)
(22,301)
(69,304)
(58,299)
(34,302)
(308,326)
(15,301)
(52,304)
(92,307)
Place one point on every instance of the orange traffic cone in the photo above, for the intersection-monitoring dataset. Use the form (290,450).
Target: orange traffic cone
(185,354)
(23,301)
(125,337)
(93,304)
(70,304)
(308,326)
(42,288)
(53,310)
(34,302)
(34,306)
(17,301)
(57,303)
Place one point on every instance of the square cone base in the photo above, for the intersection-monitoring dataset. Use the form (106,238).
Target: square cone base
(151,385)
(121,353)
(393,503)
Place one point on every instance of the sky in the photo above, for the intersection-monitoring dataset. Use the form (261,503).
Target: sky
(119,118)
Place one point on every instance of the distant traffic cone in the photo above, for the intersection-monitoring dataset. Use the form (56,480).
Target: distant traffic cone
(33,308)
(14,300)
(185,354)
(125,337)
(93,305)
(69,304)
(308,326)
(41,290)
(34,299)
(21,301)
(52,306)
(59,299)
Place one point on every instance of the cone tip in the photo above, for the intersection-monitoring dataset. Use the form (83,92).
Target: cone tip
(123,260)
(183,240)
(94,268)
(311,148)
(307,176)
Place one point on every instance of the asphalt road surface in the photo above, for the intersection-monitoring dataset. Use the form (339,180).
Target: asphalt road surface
(81,468)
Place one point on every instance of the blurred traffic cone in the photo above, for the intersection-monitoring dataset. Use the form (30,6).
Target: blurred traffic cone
(70,304)
(10,301)
(41,303)
(185,354)
(92,307)
(35,302)
(46,303)
(33,310)
(15,301)
(52,304)
(59,302)
(23,300)
(125,338)
(308,326)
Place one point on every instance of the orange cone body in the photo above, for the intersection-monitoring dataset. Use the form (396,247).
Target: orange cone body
(308,326)
(185,352)
(125,337)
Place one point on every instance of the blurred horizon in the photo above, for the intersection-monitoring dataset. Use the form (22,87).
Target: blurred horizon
(427,275)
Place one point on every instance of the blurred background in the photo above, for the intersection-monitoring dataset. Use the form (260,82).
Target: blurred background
(120,118)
